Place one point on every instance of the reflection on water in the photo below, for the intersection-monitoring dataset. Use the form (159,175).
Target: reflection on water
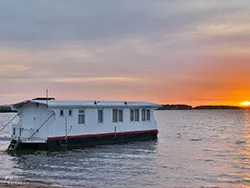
(195,148)
(242,162)
(92,167)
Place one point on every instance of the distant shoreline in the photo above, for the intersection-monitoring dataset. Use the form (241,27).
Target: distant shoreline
(7,109)
(202,107)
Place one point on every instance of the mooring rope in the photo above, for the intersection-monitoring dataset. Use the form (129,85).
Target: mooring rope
(8,123)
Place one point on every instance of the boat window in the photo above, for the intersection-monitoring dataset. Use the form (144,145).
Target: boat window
(148,114)
(81,117)
(137,115)
(14,131)
(143,114)
(70,113)
(100,116)
(61,112)
(132,115)
(115,115)
(120,115)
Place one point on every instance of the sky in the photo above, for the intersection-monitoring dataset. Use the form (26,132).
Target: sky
(193,52)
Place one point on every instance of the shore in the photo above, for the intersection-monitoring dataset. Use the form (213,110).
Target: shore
(9,185)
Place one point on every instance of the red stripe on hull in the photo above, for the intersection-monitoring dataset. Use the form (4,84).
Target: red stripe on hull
(104,134)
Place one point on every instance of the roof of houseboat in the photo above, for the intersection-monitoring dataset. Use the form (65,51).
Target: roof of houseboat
(85,103)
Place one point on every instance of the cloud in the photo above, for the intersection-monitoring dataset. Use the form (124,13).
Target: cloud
(7,69)
(45,22)
(224,29)
(98,79)
(160,50)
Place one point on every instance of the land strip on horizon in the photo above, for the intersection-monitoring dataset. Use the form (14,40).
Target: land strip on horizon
(7,109)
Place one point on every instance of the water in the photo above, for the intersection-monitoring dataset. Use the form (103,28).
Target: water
(209,148)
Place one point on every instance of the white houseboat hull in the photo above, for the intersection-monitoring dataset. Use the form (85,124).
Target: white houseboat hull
(52,124)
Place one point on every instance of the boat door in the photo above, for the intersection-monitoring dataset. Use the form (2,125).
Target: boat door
(39,119)
(69,119)
(36,120)
(68,125)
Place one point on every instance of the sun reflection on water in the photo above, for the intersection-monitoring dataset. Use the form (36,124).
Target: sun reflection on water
(244,152)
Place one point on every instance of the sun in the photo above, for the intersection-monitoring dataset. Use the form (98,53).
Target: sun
(245,103)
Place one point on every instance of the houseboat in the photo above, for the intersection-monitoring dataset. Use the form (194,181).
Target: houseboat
(49,124)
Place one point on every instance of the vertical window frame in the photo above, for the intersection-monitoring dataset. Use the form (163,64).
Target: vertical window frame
(120,115)
(148,114)
(61,113)
(132,115)
(81,116)
(143,114)
(70,112)
(114,115)
(100,118)
(117,115)
(137,115)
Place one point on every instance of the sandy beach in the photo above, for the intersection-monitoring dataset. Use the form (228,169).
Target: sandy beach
(6,185)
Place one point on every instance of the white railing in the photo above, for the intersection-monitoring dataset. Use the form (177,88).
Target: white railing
(35,131)
(8,123)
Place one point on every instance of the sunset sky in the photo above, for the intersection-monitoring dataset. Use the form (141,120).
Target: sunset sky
(183,51)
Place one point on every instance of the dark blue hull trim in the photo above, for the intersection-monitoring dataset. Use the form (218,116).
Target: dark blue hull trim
(101,140)
(88,141)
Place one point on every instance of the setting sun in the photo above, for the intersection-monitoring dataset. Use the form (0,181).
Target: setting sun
(245,103)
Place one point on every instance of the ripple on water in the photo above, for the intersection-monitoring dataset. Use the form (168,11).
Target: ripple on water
(194,149)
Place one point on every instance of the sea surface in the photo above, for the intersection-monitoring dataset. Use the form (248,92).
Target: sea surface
(203,148)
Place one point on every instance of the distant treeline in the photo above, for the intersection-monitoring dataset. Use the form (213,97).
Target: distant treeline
(203,107)
(6,109)
(175,107)
(164,107)
(222,107)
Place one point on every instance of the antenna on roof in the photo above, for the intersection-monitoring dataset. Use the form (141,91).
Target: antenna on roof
(47,96)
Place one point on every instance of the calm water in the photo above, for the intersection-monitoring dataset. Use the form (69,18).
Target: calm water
(195,148)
